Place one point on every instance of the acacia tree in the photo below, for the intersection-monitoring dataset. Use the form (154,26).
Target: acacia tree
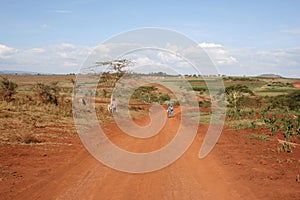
(116,67)
(235,92)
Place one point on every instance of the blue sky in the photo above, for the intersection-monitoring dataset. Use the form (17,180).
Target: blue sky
(242,37)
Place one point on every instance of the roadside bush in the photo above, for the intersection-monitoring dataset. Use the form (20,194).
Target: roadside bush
(8,89)
(146,94)
(164,97)
(250,102)
(287,102)
(235,92)
(47,93)
(201,90)
(204,104)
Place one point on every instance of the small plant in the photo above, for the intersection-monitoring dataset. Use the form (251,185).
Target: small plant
(290,160)
(290,128)
(237,114)
(230,113)
(259,137)
(264,114)
(251,114)
(253,124)
(285,148)
(271,121)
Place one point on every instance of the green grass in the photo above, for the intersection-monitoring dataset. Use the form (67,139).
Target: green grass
(259,137)
(205,117)
(243,124)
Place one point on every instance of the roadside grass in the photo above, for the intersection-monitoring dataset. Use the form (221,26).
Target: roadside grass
(204,117)
(30,122)
(259,137)
(245,124)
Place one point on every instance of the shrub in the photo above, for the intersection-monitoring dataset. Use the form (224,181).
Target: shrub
(235,92)
(8,89)
(250,102)
(164,97)
(47,93)
(204,104)
(287,102)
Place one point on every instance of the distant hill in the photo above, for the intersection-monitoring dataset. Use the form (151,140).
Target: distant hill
(18,72)
(269,76)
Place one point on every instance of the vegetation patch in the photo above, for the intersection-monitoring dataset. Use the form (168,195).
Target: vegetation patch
(259,137)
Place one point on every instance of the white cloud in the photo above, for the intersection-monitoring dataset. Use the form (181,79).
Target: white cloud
(36,50)
(285,62)
(280,57)
(210,45)
(6,52)
(219,54)
(227,60)
(61,58)
(70,64)
(171,47)
(67,58)
(168,57)
(143,61)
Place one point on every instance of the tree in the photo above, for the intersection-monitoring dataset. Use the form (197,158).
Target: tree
(117,68)
(235,92)
(8,89)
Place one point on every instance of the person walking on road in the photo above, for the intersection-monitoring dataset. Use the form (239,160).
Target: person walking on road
(113,106)
(170,110)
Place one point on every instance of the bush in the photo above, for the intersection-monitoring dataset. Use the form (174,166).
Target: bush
(250,102)
(164,97)
(204,104)
(235,93)
(47,93)
(8,89)
(287,102)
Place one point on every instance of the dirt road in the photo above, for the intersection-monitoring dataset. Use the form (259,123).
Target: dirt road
(188,178)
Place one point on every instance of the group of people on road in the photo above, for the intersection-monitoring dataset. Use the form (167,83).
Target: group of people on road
(112,107)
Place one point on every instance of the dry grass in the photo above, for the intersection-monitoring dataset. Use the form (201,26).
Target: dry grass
(26,120)
(26,138)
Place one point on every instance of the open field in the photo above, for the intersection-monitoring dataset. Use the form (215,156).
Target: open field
(256,157)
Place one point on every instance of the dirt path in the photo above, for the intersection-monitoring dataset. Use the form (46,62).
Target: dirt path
(187,178)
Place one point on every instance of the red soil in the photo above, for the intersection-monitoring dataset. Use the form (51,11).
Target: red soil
(237,168)
(296,84)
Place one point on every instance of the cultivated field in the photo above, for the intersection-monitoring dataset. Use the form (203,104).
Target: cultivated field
(256,157)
